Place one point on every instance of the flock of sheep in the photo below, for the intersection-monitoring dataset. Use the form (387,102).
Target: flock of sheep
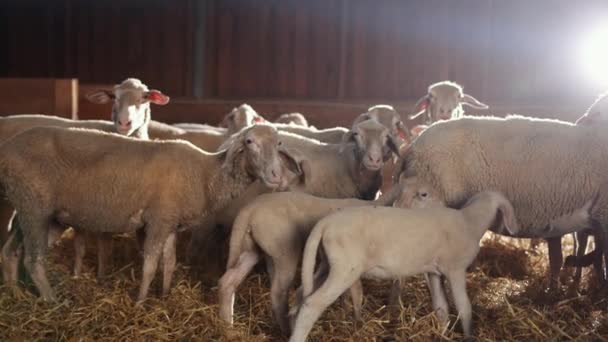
(291,195)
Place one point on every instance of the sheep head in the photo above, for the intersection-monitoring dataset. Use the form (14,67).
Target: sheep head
(412,192)
(131,104)
(389,118)
(444,101)
(292,118)
(258,151)
(241,117)
(374,144)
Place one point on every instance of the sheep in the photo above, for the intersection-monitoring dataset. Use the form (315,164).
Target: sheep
(444,101)
(388,116)
(597,113)
(44,170)
(15,124)
(328,135)
(188,126)
(536,163)
(349,169)
(382,242)
(292,118)
(131,107)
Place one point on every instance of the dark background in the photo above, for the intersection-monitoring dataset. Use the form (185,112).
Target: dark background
(503,52)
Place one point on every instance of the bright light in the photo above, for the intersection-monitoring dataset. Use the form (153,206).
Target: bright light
(595,56)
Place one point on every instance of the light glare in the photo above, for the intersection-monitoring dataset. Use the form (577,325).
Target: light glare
(595,56)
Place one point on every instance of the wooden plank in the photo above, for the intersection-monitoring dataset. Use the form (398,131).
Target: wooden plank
(38,96)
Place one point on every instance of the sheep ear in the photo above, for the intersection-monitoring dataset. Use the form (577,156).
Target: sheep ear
(346,138)
(421,105)
(470,101)
(234,149)
(100,96)
(306,171)
(391,142)
(403,131)
(229,117)
(157,97)
(289,161)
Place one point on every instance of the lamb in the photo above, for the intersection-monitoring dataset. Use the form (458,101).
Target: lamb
(275,226)
(381,242)
(292,118)
(554,188)
(44,169)
(444,101)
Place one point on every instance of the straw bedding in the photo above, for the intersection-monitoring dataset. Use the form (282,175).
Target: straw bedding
(506,285)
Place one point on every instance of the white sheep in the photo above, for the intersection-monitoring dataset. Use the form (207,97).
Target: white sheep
(176,186)
(536,163)
(444,101)
(392,243)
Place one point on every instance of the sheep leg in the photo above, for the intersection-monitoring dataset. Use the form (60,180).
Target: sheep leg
(394,297)
(269,267)
(440,302)
(555,261)
(168,263)
(35,239)
(104,249)
(6,214)
(79,252)
(461,299)
(155,239)
(229,282)
(140,237)
(337,282)
(11,254)
(581,238)
(284,276)
(356,294)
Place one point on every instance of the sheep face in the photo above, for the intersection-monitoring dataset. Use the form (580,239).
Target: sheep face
(414,193)
(131,104)
(597,113)
(388,117)
(241,117)
(263,155)
(374,144)
(444,101)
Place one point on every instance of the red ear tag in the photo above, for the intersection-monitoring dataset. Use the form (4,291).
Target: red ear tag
(402,135)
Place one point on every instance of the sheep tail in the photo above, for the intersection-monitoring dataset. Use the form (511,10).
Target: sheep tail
(309,258)
(240,229)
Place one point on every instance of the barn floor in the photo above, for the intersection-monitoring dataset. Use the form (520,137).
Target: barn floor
(505,285)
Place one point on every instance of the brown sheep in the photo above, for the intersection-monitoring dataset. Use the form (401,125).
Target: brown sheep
(44,170)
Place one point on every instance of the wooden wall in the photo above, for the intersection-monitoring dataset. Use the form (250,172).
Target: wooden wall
(503,52)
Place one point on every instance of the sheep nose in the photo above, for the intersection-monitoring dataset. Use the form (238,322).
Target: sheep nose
(374,160)
(124,124)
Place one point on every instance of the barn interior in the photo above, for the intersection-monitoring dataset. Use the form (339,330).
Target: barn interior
(330,61)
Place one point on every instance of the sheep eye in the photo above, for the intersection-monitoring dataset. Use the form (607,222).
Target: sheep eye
(355,134)
(248,141)
(423,194)
(280,143)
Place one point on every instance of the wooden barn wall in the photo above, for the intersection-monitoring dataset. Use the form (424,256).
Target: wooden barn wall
(99,41)
(503,52)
